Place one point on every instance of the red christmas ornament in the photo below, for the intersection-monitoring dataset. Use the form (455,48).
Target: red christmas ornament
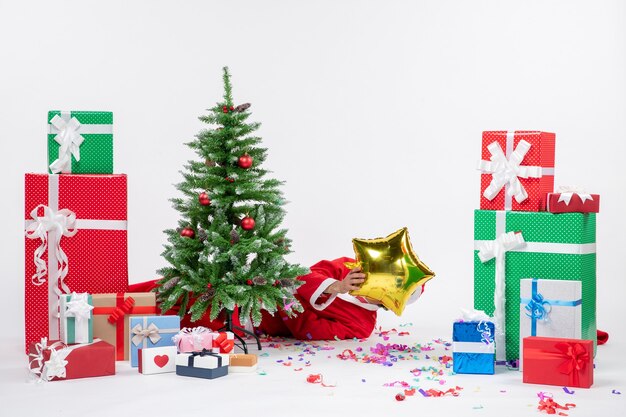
(245,161)
(208,285)
(204,199)
(249,282)
(247,223)
(225,109)
(232,108)
(229,179)
(276,283)
(188,232)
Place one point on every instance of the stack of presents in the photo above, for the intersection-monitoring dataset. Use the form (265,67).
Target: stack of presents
(534,268)
(79,317)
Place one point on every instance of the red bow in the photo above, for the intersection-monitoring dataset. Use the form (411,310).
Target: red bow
(121,311)
(576,358)
(225,345)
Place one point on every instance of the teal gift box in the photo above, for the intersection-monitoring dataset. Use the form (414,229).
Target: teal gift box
(510,246)
(151,331)
(76,318)
(80,142)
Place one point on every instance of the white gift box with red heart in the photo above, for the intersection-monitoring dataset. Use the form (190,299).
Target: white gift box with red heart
(157,360)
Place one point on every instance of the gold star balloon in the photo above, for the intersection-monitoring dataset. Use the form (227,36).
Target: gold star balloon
(393,271)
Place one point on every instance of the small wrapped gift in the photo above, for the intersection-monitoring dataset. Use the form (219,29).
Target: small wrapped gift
(473,347)
(157,360)
(558,361)
(242,363)
(194,339)
(551,308)
(53,360)
(76,318)
(151,331)
(111,317)
(204,364)
(573,200)
(80,142)
(223,342)
(517,170)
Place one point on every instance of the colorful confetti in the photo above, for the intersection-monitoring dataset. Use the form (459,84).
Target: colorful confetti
(317,379)
(616,392)
(568,391)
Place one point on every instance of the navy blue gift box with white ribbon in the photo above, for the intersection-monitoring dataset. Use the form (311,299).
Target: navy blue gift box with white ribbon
(204,364)
(473,347)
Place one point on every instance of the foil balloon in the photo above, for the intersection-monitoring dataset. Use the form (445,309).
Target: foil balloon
(393,271)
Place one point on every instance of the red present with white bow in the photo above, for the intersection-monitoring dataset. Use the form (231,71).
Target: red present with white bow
(558,361)
(573,200)
(54,361)
(223,342)
(517,170)
(75,242)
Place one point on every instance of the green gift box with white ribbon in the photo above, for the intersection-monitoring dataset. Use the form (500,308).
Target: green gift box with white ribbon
(510,246)
(80,142)
(76,318)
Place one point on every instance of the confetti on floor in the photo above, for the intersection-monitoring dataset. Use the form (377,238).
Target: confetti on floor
(568,391)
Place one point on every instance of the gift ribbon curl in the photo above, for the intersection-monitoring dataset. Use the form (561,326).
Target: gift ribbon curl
(70,141)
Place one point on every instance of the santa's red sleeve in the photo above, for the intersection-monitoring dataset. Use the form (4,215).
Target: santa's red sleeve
(322,275)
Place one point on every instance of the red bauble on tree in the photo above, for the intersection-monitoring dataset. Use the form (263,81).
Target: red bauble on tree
(247,223)
(245,161)
(204,199)
(208,285)
(249,282)
(188,232)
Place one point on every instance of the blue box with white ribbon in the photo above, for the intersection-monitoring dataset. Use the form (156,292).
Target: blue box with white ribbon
(473,347)
(550,308)
(151,331)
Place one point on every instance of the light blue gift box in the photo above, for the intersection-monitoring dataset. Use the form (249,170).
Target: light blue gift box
(151,331)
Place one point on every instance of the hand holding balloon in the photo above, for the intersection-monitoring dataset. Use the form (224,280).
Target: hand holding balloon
(350,282)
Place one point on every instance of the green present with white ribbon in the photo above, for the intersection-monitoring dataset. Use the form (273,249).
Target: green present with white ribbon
(510,246)
(80,142)
(76,318)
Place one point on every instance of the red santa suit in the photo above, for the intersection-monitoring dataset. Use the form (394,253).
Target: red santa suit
(326,316)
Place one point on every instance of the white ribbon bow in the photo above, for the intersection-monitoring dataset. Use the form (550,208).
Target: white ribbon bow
(53,367)
(507,171)
(78,307)
(70,141)
(58,224)
(497,249)
(151,332)
(567,192)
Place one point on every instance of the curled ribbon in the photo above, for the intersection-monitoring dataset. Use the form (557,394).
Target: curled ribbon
(536,308)
(151,332)
(485,332)
(70,141)
(197,335)
(120,312)
(53,367)
(53,225)
(507,171)
(497,249)
(567,192)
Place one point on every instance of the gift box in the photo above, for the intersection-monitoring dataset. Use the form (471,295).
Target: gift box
(194,339)
(517,170)
(157,360)
(53,360)
(511,246)
(151,331)
(80,142)
(572,200)
(551,308)
(473,347)
(111,316)
(223,342)
(75,242)
(558,361)
(76,318)
(204,364)
(242,363)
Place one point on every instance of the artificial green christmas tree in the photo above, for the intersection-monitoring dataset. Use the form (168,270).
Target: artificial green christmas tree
(229,248)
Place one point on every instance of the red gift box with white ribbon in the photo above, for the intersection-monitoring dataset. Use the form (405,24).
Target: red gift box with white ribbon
(573,200)
(558,361)
(76,241)
(517,170)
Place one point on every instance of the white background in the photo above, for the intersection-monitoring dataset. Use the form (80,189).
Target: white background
(371,111)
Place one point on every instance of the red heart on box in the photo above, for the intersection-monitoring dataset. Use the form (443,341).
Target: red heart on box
(161,360)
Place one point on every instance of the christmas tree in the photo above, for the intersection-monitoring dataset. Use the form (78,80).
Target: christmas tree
(229,248)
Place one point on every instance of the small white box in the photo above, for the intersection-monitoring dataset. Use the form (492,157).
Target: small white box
(157,360)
